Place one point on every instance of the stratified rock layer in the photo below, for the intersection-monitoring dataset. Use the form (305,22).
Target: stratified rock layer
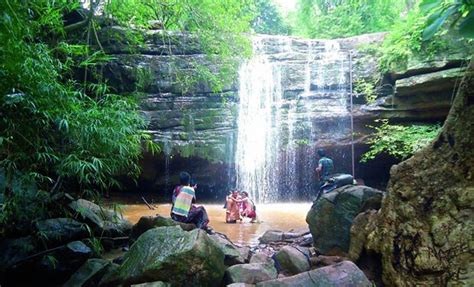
(425,226)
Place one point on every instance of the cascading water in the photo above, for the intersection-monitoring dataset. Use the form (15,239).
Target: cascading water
(258,141)
(293,98)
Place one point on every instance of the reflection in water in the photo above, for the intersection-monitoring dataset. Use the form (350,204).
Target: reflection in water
(280,216)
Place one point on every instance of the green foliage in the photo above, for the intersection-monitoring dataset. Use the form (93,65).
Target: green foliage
(398,140)
(335,19)
(218,25)
(460,12)
(268,19)
(405,41)
(367,89)
(55,129)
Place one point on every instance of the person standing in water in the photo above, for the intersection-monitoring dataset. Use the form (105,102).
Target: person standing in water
(183,209)
(232,207)
(249,209)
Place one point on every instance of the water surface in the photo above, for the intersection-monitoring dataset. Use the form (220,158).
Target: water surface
(280,216)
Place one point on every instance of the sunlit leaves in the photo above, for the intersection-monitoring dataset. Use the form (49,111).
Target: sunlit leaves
(398,140)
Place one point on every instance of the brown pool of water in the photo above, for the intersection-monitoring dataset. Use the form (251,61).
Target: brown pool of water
(280,216)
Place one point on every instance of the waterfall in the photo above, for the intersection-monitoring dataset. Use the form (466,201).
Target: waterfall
(257,141)
(293,98)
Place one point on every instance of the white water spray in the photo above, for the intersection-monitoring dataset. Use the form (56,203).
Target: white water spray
(274,129)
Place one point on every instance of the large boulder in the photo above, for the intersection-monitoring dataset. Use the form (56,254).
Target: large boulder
(57,231)
(423,231)
(171,255)
(232,253)
(330,218)
(148,222)
(250,273)
(290,260)
(345,273)
(103,221)
(89,274)
(363,225)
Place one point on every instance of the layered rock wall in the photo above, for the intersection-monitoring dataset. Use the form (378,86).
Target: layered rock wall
(423,231)
(197,127)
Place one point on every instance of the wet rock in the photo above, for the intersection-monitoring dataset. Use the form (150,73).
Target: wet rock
(330,218)
(240,285)
(89,274)
(271,236)
(232,253)
(342,274)
(291,261)
(171,255)
(104,222)
(57,231)
(250,273)
(148,222)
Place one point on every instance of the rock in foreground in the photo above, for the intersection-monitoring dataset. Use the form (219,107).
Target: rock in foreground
(173,256)
(423,232)
(89,274)
(250,273)
(345,273)
(330,218)
(292,261)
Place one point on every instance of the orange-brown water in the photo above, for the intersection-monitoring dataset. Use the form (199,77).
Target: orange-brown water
(280,216)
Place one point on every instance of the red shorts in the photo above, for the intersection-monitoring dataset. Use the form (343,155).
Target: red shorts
(252,214)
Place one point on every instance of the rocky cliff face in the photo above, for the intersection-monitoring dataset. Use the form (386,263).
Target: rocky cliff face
(423,232)
(198,129)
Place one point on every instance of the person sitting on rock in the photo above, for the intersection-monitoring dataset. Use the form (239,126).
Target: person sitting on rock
(233,207)
(183,209)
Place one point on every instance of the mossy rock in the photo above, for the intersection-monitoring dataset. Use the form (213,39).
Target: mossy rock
(173,256)
(330,218)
